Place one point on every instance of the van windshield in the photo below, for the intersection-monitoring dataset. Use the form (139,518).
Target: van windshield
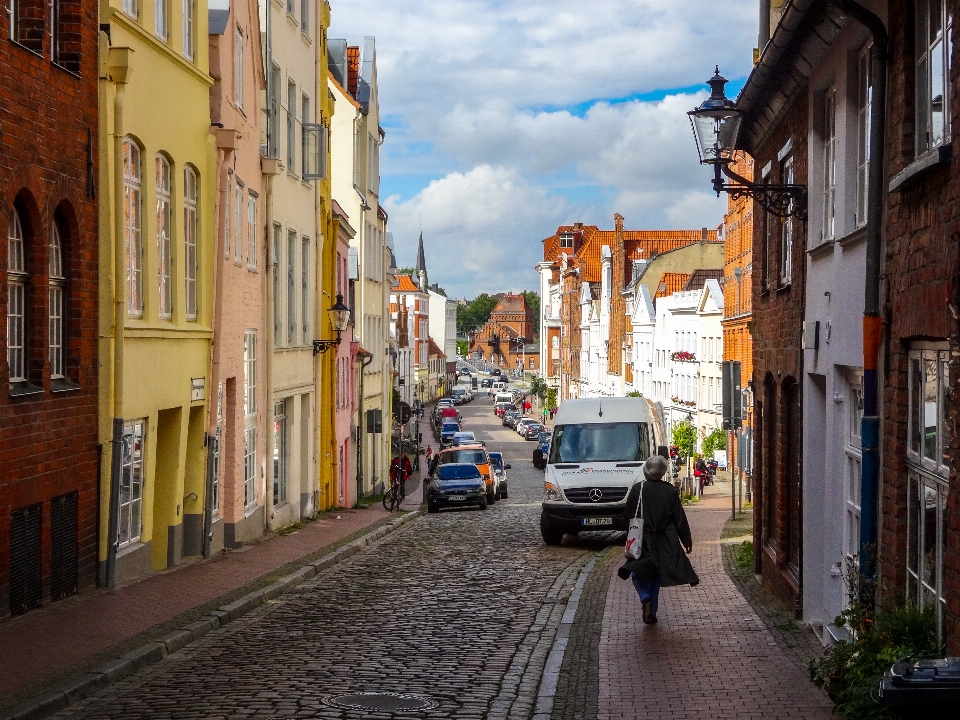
(600,442)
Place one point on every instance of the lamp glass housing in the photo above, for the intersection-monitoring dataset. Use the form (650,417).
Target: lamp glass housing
(716,124)
(339,314)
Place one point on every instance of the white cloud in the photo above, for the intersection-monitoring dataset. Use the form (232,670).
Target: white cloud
(523,110)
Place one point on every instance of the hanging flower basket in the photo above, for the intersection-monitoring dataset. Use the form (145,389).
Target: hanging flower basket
(686,403)
(683,356)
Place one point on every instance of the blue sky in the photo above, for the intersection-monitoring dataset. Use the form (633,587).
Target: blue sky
(506,119)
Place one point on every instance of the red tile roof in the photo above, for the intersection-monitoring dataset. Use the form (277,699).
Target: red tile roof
(671,283)
(353,69)
(405,284)
(435,349)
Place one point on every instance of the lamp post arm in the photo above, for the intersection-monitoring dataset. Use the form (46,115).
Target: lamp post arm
(732,175)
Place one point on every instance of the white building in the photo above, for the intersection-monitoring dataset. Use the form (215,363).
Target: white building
(710,359)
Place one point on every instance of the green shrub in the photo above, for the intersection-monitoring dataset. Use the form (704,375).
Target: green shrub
(716,440)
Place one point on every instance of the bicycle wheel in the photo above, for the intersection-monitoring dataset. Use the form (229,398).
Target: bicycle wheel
(389,498)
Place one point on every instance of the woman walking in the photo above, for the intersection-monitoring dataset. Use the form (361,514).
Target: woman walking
(666,541)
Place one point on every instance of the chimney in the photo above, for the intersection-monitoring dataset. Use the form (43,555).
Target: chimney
(704,234)
(577,226)
(764,36)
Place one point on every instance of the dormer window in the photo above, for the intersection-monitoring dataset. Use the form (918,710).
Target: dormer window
(566,240)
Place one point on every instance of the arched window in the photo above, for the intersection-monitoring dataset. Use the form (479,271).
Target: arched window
(58,291)
(17,280)
(164,251)
(132,212)
(190,240)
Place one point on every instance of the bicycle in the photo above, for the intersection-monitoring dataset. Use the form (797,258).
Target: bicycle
(393,496)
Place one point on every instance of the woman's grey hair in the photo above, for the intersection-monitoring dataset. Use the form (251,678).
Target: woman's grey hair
(655,467)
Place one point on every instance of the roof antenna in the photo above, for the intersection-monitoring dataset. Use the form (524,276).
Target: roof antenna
(600,403)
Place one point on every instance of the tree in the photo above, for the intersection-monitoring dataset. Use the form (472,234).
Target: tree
(685,437)
(475,312)
(462,347)
(533,300)
(407,271)
(716,440)
(538,387)
(551,399)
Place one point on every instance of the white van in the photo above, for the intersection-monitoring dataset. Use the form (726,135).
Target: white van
(501,396)
(595,464)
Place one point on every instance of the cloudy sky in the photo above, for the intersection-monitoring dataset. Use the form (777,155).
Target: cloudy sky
(505,119)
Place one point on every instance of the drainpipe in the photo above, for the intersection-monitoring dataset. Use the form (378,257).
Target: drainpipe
(872,321)
(368,358)
(118,71)
(764,36)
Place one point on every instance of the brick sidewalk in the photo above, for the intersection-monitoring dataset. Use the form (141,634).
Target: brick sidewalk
(710,656)
(67,637)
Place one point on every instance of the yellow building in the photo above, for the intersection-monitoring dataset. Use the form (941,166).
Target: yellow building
(156,242)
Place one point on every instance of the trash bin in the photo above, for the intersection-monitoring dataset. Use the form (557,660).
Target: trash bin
(922,689)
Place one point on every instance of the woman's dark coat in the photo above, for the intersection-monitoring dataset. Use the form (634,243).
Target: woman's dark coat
(666,533)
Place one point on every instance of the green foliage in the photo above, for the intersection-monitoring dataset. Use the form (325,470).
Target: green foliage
(462,347)
(744,556)
(533,300)
(685,437)
(551,399)
(538,387)
(407,271)
(716,440)
(851,670)
(475,312)
(634,393)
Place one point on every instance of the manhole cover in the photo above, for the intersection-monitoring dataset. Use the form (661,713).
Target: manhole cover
(381,702)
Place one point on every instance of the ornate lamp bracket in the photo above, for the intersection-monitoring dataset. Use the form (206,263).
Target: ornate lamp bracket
(780,200)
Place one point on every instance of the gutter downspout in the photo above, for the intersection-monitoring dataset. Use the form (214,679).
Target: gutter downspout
(368,358)
(764,36)
(872,320)
(118,71)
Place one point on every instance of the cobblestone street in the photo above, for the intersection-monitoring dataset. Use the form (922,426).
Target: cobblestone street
(470,612)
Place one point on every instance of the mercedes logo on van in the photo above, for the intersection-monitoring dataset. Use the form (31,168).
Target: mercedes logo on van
(595,494)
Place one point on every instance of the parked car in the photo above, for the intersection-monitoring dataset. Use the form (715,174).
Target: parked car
(456,485)
(501,407)
(495,371)
(477,455)
(486,382)
(447,431)
(522,422)
(500,470)
(464,437)
(531,431)
(504,379)
(542,451)
(465,372)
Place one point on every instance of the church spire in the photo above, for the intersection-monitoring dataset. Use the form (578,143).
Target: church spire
(421,265)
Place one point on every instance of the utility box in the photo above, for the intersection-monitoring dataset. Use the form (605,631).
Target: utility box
(922,689)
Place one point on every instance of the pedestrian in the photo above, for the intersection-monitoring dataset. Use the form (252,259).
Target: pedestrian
(544,416)
(526,406)
(666,541)
(552,411)
(400,471)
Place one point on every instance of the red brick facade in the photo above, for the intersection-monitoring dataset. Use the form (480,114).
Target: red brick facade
(48,425)
(778,303)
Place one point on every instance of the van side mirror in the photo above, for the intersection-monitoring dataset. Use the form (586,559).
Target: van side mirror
(507,466)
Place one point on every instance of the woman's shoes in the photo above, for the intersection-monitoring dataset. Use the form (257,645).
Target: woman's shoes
(648,617)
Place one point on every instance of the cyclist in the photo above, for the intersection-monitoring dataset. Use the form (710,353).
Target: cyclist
(400,471)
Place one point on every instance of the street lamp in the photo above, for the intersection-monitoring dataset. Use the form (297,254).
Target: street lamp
(339,317)
(716,128)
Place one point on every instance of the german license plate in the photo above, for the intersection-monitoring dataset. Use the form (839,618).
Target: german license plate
(596,521)
(457,498)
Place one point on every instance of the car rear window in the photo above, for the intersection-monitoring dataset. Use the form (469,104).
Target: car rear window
(453,472)
(450,427)
(463,456)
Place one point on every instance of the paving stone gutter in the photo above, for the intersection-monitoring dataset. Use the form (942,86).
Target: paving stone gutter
(91,682)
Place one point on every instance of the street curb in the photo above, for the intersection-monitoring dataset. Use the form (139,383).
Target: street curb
(95,680)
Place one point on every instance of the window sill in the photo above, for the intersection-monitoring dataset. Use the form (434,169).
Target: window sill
(821,249)
(23,389)
(920,168)
(28,49)
(783,287)
(853,238)
(59,385)
(130,547)
(68,71)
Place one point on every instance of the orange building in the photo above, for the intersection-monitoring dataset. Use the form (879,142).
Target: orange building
(506,339)
(737,297)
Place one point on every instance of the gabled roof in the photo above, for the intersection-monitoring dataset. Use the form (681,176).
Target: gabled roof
(670,283)
(643,308)
(712,291)
(435,350)
(699,278)
(405,284)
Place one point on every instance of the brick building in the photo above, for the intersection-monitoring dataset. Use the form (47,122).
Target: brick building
(48,271)
(499,339)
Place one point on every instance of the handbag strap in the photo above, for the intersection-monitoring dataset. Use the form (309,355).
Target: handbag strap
(639,512)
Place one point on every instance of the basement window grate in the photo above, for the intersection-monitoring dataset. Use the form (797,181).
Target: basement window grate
(63,546)
(25,585)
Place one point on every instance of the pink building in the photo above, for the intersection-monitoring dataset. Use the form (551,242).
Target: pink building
(346,363)
(238,416)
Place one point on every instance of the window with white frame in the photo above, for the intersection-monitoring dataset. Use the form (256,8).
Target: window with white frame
(829,198)
(304,288)
(277,299)
(305,17)
(252,232)
(161,19)
(56,312)
(250,373)
(239,69)
(280,453)
(305,154)
(291,287)
(191,259)
(132,452)
(250,466)
(226,216)
(927,475)
(291,125)
(238,223)
(852,470)
(17,281)
(130,7)
(290,8)
(164,251)
(934,22)
(189,30)
(132,214)
(864,110)
(786,229)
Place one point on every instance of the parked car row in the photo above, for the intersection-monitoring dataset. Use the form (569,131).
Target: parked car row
(465,473)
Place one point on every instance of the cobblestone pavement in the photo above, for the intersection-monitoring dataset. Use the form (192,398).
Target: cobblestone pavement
(459,608)
(710,655)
